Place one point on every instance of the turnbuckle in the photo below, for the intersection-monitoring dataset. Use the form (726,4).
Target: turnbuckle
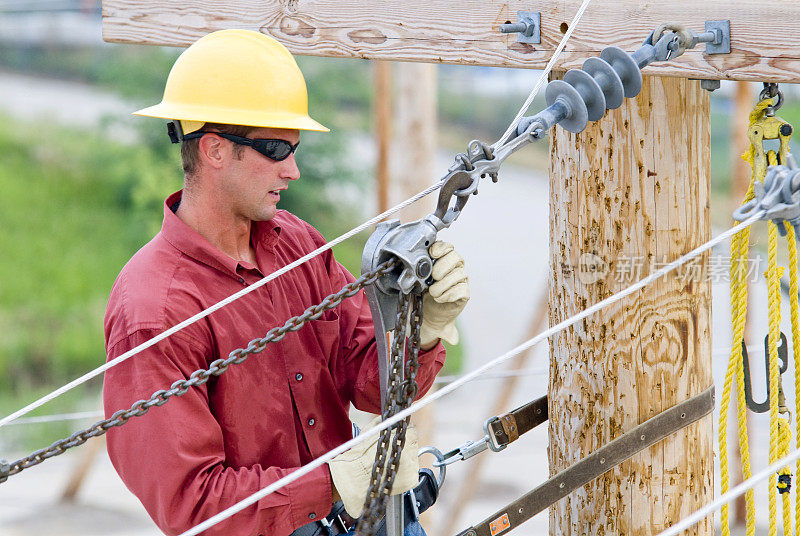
(776,199)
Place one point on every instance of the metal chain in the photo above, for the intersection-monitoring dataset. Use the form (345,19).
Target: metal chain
(198,377)
(401,392)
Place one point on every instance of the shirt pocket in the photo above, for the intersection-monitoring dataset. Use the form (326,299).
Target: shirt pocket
(326,335)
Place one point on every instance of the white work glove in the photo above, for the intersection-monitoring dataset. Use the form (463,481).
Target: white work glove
(446,298)
(351,470)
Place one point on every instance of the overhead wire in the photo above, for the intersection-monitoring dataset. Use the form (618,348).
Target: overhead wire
(447,389)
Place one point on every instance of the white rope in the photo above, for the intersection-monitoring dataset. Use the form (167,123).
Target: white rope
(751,482)
(59,417)
(496,375)
(543,77)
(447,389)
(199,316)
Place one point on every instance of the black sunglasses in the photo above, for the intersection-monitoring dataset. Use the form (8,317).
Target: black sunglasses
(274,149)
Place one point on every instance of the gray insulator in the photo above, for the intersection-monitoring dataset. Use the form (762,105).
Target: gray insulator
(574,117)
(608,80)
(644,56)
(626,68)
(590,92)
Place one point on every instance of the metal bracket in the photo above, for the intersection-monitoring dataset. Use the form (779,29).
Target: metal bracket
(722,41)
(528,27)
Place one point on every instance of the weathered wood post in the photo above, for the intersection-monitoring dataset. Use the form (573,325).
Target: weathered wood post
(628,195)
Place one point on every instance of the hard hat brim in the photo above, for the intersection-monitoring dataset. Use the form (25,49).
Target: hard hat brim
(232,117)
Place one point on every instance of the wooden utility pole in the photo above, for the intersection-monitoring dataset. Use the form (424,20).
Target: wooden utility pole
(383,130)
(628,195)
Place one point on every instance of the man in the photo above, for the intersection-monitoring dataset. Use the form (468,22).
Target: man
(238,102)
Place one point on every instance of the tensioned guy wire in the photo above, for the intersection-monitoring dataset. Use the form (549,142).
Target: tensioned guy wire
(219,305)
(447,389)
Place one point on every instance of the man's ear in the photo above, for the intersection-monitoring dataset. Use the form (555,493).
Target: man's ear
(211,150)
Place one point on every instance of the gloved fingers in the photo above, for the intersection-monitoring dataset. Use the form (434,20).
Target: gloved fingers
(440,249)
(458,293)
(441,287)
(451,261)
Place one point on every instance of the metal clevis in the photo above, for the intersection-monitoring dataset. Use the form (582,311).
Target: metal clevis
(777,198)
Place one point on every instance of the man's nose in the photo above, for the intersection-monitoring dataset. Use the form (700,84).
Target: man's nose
(290,170)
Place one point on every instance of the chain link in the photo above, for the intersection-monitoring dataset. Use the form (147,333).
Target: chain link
(198,377)
(402,390)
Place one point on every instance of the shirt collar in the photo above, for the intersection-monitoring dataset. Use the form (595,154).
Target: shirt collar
(189,242)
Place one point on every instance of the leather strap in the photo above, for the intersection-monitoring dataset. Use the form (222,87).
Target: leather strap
(596,464)
(505,429)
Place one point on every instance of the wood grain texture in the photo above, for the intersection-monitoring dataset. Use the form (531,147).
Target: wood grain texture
(765,40)
(628,195)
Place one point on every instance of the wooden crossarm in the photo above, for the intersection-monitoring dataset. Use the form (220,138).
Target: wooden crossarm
(765,36)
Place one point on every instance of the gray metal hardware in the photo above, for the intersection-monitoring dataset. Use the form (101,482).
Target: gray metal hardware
(528,27)
(710,85)
(439,458)
(5,467)
(567,104)
(717,37)
(763,407)
(777,198)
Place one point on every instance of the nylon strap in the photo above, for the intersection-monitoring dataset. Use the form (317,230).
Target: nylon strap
(507,428)
(596,464)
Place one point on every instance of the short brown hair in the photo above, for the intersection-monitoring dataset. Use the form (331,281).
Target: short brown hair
(189,151)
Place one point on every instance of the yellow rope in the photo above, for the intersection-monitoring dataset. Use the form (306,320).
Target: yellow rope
(760,127)
(774,307)
(795,316)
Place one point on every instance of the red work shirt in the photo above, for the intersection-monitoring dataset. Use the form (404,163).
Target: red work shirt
(219,443)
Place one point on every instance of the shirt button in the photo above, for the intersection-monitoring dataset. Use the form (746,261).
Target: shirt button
(298,376)
(311,422)
(312,515)
(241,280)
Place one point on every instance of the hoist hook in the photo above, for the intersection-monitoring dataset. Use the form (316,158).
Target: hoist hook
(762,407)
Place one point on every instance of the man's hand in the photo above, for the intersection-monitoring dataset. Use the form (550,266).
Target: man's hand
(446,297)
(351,470)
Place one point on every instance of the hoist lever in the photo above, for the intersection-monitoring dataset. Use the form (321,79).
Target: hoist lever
(776,199)
(763,407)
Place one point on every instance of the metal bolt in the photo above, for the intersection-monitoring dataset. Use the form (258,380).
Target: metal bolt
(424,268)
(710,85)
(526,27)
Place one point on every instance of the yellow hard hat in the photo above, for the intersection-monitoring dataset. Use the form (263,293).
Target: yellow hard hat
(235,77)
